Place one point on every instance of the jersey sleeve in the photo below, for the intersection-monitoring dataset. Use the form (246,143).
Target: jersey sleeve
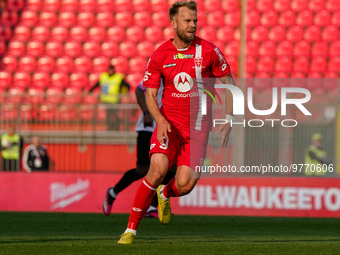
(152,75)
(219,65)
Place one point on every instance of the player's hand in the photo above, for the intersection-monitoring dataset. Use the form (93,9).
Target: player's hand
(148,121)
(163,127)
(225,130)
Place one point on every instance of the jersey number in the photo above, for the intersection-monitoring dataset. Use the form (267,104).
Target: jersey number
(165,146)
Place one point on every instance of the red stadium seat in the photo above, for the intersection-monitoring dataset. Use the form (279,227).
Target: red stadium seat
(21,32)
(123,19)
(299,5)
(304,18)
(82,63)
(336,18)
(212,5)
(135,33)
(51,5)
(264,5)
(85,18)
(100,64)
(259,34)
(134,79)
(40,33)
(230,5)
(140,5)
(331,74)
(232,48)
(47,111)
(27,63)
(143,19)
(5,79)
(45,63)
(334,64)
(316,5)
(225,34)
(158,5)
(329,33)
(219,44)
(16,48)
(121,64)
(280,75)
(35,95)
(283,64)
(298,75)
(312,34)
(59,79)
(334,49)
(97,33)
(2,47)
(201,16)
(168,33)
(72,96)
(48,18)
(87,5)
(78,33)
(22,79)
(301,49)
(333,5)
(72,48)
(253,18)
(145,49)
(66,113)
(15,96)
(59,33)
(11,18)
(91,48)
(34,5)
(160,19)
(287,18)
(252,48)
(123,5)
(78,79)
(64,64)
(28,18)
(8,62)
(215,18)
(266,64)
(67,18)
(127,49)
(40,79)
(267,49)
(251,64)
(269,18)
(115,33)
(104,5)
(53,48)
(284,48)
(232,19)
(69,5)
(93,79)
(109,48)
(277,34)
(301,64)
(318,64)
(322,18)
(281,5)
(207,32)
(5,32)
(320,49)
(154,34)
(251,5)
(294,34)
(35,48)
(104,19)
(137,64)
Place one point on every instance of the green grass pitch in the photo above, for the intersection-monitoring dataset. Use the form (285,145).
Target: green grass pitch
(66,233)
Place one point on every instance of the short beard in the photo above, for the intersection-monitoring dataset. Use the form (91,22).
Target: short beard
(182,35)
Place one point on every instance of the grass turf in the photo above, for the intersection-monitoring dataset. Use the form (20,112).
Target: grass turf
(66,233)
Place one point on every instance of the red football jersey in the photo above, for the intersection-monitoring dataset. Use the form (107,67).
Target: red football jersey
(184,73)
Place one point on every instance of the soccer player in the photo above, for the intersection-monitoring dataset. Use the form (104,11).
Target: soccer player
(182,130)
(144,127)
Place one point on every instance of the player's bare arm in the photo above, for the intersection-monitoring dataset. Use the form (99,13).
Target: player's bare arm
(226,128)
(163,127)
(147,119)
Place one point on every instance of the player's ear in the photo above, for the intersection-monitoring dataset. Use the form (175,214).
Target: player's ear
(173,23)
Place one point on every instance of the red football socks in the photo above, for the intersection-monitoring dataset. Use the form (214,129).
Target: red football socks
(143,199)
(171,190)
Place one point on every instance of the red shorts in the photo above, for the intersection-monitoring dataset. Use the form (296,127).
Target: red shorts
(186,146)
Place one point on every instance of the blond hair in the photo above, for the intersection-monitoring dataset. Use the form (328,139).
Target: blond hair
(192,5)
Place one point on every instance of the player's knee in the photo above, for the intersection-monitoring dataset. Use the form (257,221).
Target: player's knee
(185,187)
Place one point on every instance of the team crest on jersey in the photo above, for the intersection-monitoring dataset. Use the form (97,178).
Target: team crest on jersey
(183,56)
(198,62)
(183,82)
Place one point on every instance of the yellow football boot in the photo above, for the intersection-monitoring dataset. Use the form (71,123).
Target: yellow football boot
(164,208)
(127,238)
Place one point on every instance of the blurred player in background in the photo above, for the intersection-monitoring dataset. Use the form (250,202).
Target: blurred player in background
(35,157)
(112,85)
(181,129)
(144,127)
(11,144)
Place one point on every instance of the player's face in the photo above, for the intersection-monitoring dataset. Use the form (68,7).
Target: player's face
(318,143)
(185,24)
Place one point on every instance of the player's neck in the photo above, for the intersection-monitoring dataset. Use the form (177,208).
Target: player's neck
(179,44)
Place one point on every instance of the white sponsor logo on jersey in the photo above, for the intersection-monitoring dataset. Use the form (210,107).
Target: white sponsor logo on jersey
(224,66)
(183,82)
